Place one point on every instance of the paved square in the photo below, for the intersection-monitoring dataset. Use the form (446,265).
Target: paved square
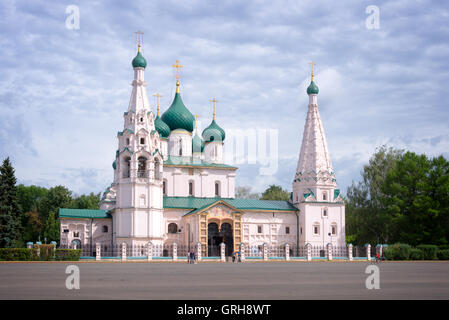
(168,281)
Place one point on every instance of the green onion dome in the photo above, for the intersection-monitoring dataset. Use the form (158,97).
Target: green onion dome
(114,165)
(197,144)
(178,116)
(213,133)
(139,61)
(312,88)
(161,127)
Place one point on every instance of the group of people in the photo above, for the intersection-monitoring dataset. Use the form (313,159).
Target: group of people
(191,257)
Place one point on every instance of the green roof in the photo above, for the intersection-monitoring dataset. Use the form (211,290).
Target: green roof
(194,162)
(83,213)
(197,144)
(178,116)
(312,88)
(139,61)
(213,132)
(161,127)
(197,204)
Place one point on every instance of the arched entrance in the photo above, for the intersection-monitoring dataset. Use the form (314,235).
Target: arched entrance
(76,244)
(217,236)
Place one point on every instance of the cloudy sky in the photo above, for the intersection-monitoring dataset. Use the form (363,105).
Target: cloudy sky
(63,91)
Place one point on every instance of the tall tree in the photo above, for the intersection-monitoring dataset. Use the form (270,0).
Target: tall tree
(275,192)
(367,220)
(90,201)
(10,213)
(57,197)
(245,193)
(51,228)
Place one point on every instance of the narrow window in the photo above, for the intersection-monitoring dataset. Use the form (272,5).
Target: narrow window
(105,229)
(217,189)
(190,188)
(287,230)
(127,141)
(164,188)
(142,140)
(334,230)
(172,228)
(141,119)
(325,212)
(324,196)
(316,229)
(259,229)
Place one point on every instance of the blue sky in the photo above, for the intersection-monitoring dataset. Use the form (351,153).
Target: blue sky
(63,92)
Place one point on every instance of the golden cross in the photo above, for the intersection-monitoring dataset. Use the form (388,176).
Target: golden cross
(312,63)
(213,101)
(177,66)
(157,95)
(139,33)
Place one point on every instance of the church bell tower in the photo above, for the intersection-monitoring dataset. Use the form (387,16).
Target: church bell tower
(138,168)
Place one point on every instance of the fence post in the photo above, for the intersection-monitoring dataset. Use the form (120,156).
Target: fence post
(287,252)
(175,251)
(97,251)
(368,251)
(123,251)
(242,252)
(149,251)
(329,251)
(29,245)
(265,252)
(309,252)
(222,252)
(350,253)
(198,251)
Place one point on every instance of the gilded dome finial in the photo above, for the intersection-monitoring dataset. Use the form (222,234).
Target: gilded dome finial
(177,66)
(138,46)
(213,102)
(157,95)
(312,63)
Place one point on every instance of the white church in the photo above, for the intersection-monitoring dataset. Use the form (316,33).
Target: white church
(171,186)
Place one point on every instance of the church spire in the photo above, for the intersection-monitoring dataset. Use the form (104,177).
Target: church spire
(314,165)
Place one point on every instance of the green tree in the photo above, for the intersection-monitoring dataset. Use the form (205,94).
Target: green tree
(367,220)
(10,213)
(51,228)
(275,192)
(245,193)
(90,201)
(57,197)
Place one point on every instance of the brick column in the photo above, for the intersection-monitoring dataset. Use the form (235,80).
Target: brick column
(149,251)
(222,252)
(98,252)
(242,252)
(123,251)
(198,251)
(368,251)
(350,252)
(309,252)
(329,251)
(175,251)
(287,252)
(265,251)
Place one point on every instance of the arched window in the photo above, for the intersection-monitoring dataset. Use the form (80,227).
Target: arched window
(142,140)
(127,167)
(316,229)
(172,228)
(180,146)
(142,167)
(334,229)
(324,195)
(191,191)
(325,212)
(164,187)
(157,173)
(127,141)
(105,229)
(217,188)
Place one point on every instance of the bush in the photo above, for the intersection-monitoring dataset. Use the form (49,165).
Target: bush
(46,252)
(397,251)
(429,251)
(17,254)
(67,254)
(443,254)
(443,247)
(416,254)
